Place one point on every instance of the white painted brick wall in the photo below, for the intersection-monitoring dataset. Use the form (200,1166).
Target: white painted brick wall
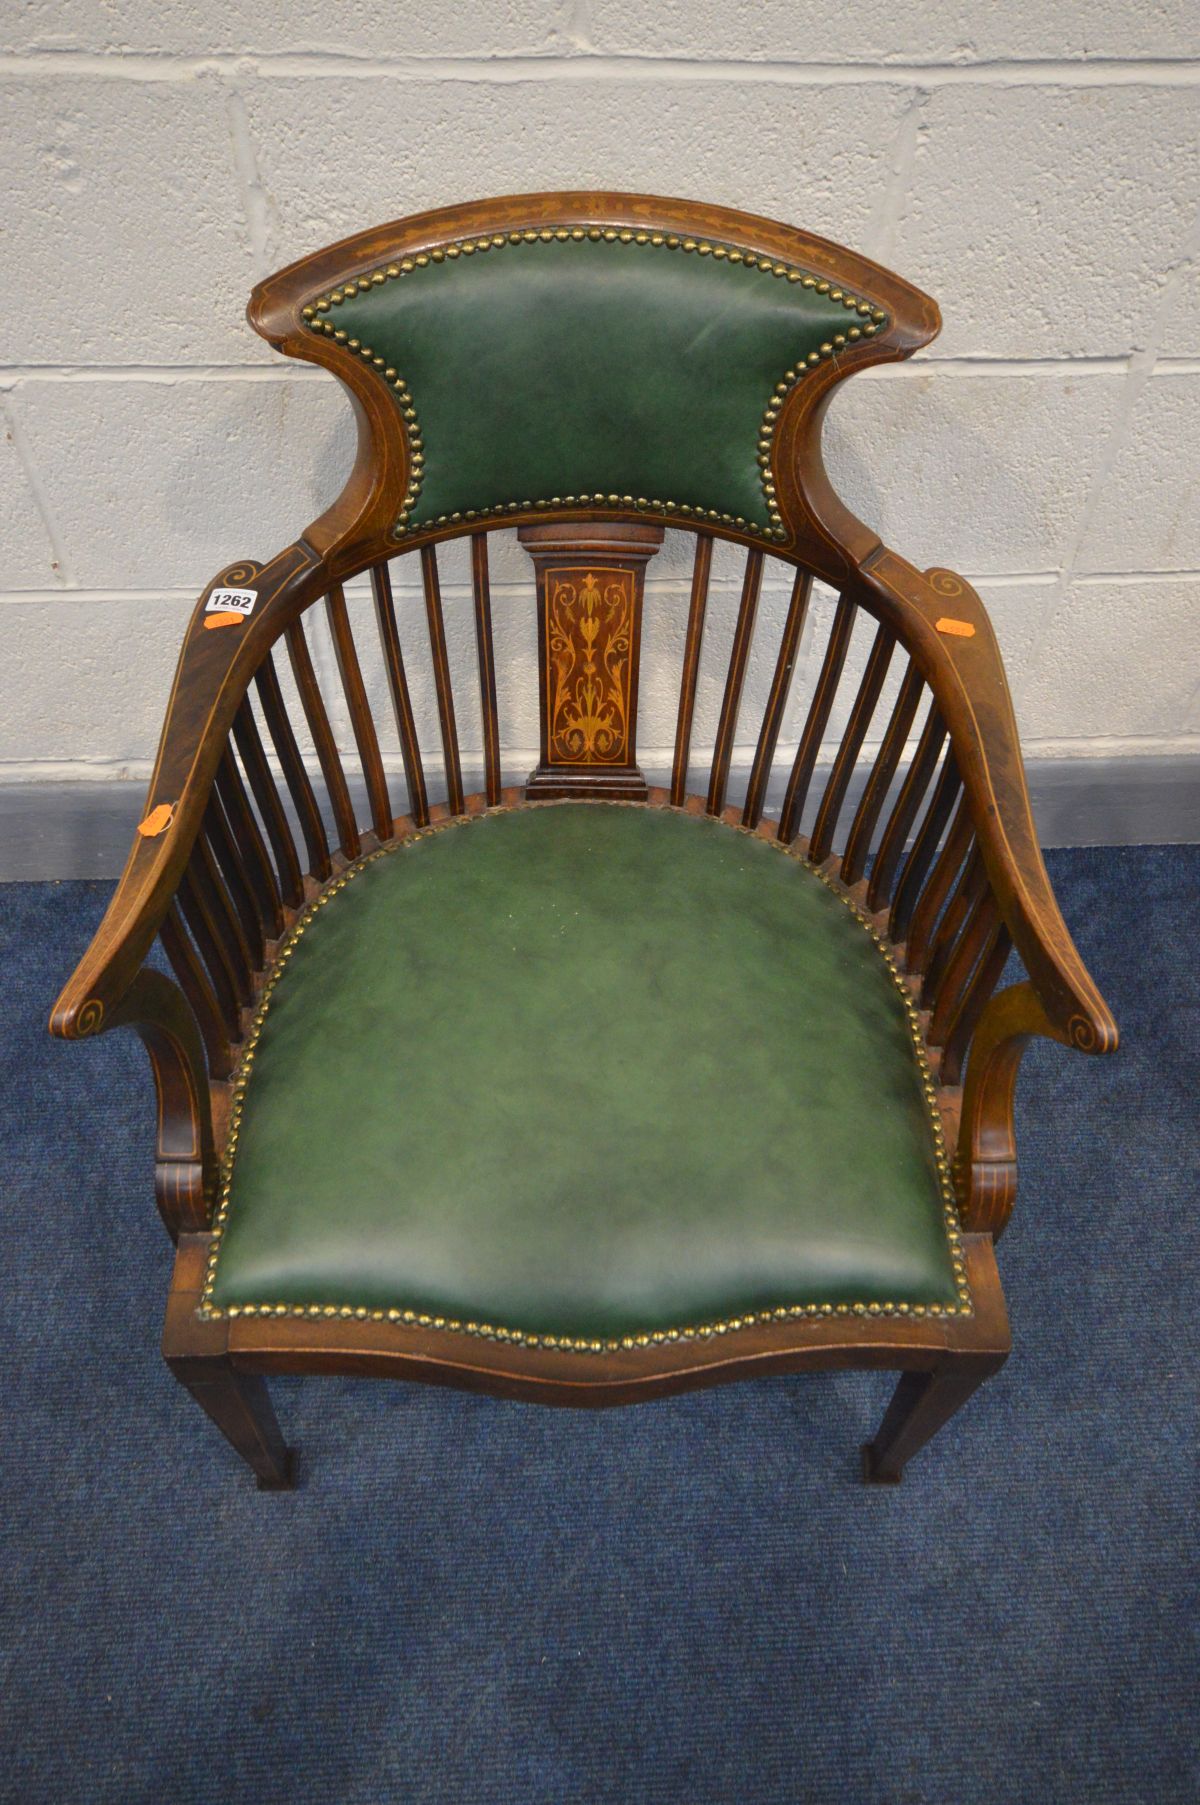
(820,154)
(1035,166)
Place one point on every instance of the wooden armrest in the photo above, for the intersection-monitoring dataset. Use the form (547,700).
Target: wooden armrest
(185,1165)
(947,631)
(237,618)
(985,1166)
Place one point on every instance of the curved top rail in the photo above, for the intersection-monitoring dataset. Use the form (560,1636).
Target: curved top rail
(595,354)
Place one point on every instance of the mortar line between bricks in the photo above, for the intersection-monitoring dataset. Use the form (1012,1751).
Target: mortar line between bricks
(1141,371)
(255,204)
(138,770)
(185,594)
(983,365)
(1142,367)
(888,209)
(168,373)
(510,67)
(11,374)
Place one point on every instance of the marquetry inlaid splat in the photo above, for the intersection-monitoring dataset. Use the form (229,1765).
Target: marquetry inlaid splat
(589,592)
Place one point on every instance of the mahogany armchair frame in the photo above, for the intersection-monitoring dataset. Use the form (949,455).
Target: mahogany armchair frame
(957,878)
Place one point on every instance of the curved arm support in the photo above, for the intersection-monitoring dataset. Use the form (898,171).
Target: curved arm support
(945,627)
(211,678)
(985,1167)
(185,1166)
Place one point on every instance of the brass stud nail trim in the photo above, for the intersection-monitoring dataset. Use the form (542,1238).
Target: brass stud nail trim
(313,315)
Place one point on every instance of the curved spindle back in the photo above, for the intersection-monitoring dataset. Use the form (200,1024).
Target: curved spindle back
(771,701)
(673,363)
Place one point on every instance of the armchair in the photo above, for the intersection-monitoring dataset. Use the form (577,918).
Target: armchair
(586,1090)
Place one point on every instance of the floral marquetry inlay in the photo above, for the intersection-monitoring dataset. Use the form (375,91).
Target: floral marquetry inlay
(590,582)
(589,641)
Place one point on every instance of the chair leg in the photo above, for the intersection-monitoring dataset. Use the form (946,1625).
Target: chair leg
(240,1405)
(921,1403)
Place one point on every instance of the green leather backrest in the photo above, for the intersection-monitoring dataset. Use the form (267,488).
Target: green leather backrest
(590,366)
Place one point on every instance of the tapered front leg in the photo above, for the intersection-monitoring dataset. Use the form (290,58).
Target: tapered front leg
(240,1405)
(921,1403)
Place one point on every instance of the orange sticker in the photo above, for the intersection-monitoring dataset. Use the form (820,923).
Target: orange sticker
(157,821)
(224,620)
(958,629)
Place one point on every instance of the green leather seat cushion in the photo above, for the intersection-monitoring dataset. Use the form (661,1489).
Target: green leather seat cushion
(586,1070)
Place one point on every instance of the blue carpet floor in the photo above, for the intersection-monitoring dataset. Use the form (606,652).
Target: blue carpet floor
(692,1601)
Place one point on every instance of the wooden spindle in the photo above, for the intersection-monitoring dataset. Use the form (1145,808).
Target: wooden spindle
(313,704)
(816,721)
(946,868)
(739,658)
(247,835)
(969,891)
(441,677)
(300,789)
(481,590)
(223,918)
(701,570)
(912,793)
(924,849)
(195,985)
(355,691)
(984,980)
(977,932)
(248,741)
(847,753)
(781,683)
(216,961)
(406,727)
(887,760)
(231,873)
